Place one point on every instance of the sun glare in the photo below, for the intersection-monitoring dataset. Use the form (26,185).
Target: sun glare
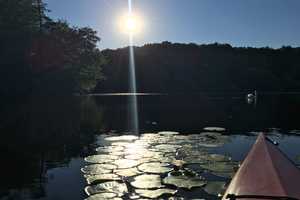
(131,24)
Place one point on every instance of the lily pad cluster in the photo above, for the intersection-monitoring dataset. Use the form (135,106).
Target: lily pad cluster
(157,166)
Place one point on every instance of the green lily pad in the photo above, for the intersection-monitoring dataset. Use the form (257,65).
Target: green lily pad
(126,163)
(154,194)
(101,178)
(95,169)
(168,133)
(218,158)
(183,181)
(110,149)
(154,167)
(127,172)
(216,188)
(103,196)
(146,181)
(224,174)
(112,187)
(101,158)
(296,132)
(297,158)
(214,129)
(167,148)
(122,138)
(219,166)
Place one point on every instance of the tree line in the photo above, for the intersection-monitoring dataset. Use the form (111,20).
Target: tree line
(179,68)
(39,55)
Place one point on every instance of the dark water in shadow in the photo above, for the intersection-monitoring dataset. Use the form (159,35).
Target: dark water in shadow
(44,139)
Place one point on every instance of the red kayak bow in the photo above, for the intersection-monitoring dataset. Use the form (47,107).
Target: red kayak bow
(266,173)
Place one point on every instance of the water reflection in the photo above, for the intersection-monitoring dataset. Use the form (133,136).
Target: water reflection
(44,140)
(148,166)
(41,134)
(127,166)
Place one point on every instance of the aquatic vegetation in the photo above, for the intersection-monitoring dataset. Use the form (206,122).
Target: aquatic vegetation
(110,149)
(101,158)
(126,163)
(122,138)
(95,169)
(168,133)
(166,148)
(296,132)
(147,181)
(214,129)
(219,166)
(215,187)
(112,187)
(103,196)
(184,181)
(127,172)
(154,167)
(153,194)
(153,164)
(297,159)
(92,179)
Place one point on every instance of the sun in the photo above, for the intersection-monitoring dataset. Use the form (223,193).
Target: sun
(131,24)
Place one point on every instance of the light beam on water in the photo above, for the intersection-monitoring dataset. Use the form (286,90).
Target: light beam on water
(132,81)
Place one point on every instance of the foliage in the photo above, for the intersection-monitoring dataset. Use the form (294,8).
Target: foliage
(42,56)
(179,68)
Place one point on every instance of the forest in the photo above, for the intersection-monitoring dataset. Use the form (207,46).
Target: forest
(178,68)
(39,55)
(43,56)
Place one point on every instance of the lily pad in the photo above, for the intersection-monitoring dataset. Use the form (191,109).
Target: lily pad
(104,196)
(101,178)
(122,144)
(154,194)
(214,129)
(112,187)
(95,169)
(126,163)
(223,174)
(168,133)
(218,158)
(219,166)
(122,138)
(110,149)
(216,188)
(296,132)
(127,172)
(183,181)
(101,158)
(297,158)
(167,147)
(146,181)
(154,167)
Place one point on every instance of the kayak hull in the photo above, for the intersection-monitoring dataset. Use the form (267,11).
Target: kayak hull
(266,171)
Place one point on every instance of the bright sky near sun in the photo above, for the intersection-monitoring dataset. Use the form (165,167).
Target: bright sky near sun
(238,22)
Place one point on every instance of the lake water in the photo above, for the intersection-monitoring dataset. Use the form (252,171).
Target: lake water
(53,147)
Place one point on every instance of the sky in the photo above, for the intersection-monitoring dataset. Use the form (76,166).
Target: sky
(256,23)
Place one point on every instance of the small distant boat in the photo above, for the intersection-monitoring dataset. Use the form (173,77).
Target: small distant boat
(266,173)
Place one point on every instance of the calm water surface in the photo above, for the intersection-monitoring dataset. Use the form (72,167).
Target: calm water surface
(56,147)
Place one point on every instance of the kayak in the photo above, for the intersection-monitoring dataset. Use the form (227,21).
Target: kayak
(266,173)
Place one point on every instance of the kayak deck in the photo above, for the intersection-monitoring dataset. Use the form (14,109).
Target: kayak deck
(266,173)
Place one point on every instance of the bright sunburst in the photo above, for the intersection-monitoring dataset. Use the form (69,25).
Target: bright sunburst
(131,24)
